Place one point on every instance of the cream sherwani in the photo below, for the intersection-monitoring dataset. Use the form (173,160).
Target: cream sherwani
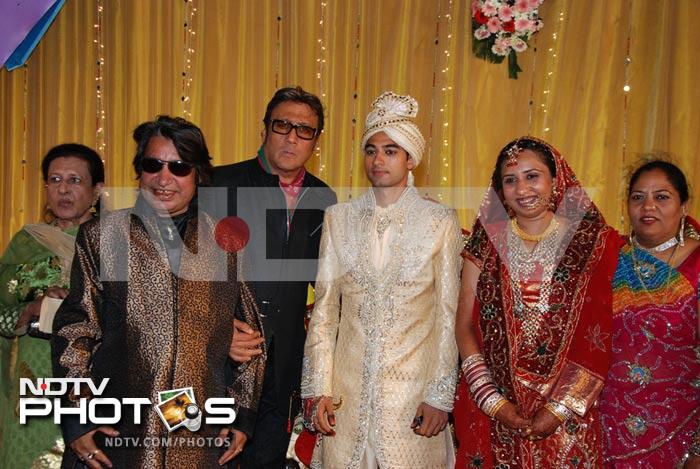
(381,335)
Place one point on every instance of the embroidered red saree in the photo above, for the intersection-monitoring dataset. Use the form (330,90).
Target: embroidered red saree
(563,355)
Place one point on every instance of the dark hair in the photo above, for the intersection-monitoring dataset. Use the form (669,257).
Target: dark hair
(524,143)
(295,95)
(673,173)
(187,139)
(75,150)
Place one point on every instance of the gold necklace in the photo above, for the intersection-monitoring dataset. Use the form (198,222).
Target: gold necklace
(522,234)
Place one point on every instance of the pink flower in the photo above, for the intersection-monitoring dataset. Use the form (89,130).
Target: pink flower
(521,6)
(503,41)
(494,24)
(498,49)
(505,13)
(475,7)
(524,25)
(489,9)
(534,3)
(518,44)
(481,33)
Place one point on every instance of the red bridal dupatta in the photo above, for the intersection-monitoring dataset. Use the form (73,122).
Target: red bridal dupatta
(563,354)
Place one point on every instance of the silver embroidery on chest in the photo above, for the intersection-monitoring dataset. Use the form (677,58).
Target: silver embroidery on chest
(383,289)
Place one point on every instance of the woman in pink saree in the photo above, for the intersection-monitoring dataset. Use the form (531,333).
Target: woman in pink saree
(651,401)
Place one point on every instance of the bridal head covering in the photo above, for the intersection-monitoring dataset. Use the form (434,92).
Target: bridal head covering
(393,114)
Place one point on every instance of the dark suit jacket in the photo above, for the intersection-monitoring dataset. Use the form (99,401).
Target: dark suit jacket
(280,265)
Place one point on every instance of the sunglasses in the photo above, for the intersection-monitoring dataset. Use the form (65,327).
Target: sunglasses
(178,168)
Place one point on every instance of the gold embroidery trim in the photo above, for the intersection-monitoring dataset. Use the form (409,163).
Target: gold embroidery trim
(577,388)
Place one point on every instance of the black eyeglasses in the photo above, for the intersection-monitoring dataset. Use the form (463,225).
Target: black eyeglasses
(178,168)
(283,127)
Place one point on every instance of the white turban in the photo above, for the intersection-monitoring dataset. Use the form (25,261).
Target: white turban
(393,114)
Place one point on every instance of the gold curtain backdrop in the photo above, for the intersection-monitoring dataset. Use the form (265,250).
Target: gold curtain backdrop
(348,51)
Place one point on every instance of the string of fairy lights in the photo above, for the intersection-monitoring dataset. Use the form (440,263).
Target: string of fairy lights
(531,101)
(355,81)
(433,94)
(187,53)
(440,97)
(100,118)
(551,66)
(278,44)
(626,88)
(446,98)
(321,62)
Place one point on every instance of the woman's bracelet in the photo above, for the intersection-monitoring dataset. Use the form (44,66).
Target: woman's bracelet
(481,385)
(494,408)
(560,411)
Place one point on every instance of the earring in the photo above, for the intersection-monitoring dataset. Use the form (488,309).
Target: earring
(48,215)
(553,200)
(681,241)
(93,207)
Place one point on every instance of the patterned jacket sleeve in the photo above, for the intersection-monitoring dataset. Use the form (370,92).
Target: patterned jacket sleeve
(76,328)
(319,350)
(446,269)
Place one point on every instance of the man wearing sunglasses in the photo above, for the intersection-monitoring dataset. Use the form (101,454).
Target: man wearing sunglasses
(152,309)
(282,205)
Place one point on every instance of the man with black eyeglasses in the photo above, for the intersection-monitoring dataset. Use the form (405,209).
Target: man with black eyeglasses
(282,205)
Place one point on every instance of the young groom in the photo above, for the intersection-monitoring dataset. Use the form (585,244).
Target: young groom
(379,370)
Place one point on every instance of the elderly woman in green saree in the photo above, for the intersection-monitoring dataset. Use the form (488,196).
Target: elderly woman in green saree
(34,276)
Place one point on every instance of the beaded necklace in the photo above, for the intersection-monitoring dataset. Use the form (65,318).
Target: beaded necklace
(522,264)
(660,248)
(646,270)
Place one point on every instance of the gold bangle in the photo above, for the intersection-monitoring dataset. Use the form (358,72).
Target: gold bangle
(498,406)
(494,402)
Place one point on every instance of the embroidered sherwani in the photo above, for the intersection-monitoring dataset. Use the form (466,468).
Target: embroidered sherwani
(387,289)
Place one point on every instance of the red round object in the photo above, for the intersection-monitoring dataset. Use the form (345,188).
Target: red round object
(232,234)
(304,446)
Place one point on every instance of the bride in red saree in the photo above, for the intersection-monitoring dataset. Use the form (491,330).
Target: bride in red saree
(534,318)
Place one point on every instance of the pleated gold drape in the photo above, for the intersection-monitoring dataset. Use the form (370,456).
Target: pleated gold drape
(348,51)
